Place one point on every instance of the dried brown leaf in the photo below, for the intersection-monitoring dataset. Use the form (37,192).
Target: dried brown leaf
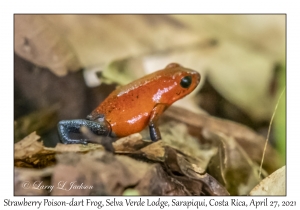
(154,151)
(114,37)
(29,152)
(37,41)
(28,146)
(157,182)
(191,176)
(176,135)
(129,143)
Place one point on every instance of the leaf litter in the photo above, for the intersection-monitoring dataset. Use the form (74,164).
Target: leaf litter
(208,163)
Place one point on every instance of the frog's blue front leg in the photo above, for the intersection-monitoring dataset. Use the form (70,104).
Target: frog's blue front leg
(65,127)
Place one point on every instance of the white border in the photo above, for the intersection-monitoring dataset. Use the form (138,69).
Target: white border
(155,6)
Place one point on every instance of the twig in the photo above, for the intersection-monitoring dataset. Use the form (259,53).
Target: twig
(269,130)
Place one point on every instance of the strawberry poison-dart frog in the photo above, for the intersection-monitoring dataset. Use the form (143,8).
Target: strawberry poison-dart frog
(130,108)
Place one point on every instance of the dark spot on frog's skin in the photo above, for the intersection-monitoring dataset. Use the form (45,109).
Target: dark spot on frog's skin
(137,96)
(178,93)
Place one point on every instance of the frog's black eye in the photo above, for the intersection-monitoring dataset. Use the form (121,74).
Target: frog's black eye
(186,81)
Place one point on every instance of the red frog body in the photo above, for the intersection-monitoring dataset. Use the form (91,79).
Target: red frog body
(131,108)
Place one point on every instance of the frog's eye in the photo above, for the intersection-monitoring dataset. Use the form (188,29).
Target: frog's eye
(186,81)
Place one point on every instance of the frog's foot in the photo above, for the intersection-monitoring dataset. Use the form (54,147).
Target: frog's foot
(65,127)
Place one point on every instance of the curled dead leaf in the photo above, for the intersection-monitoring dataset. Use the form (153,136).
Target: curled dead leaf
(232,166)
(188,173)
